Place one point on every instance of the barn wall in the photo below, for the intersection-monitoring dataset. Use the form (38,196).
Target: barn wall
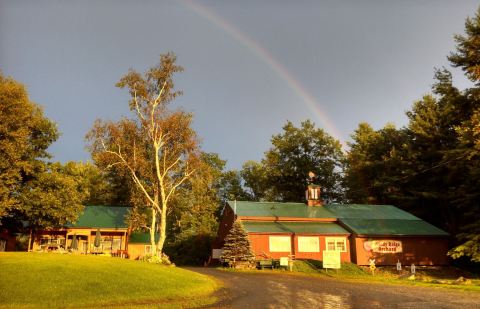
(417,250)
(224,227)
(260,247)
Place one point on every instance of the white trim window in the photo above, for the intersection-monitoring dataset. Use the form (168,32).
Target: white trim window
(308,244)
(280,244)
(336,244)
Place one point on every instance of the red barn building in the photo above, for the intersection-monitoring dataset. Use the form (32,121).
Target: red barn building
(358,232)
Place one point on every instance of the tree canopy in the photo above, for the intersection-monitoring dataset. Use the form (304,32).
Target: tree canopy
(282,174)
(431,166)
(32,189)
(25,135)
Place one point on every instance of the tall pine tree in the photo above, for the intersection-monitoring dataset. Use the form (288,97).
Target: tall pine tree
(237,246)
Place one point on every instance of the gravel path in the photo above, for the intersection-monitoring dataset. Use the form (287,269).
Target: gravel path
(268,290)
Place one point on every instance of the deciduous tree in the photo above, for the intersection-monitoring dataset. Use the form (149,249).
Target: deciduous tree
(294,153)
(25,134)
(157,148)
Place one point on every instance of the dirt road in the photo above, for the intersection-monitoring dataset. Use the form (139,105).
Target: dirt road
(267,290)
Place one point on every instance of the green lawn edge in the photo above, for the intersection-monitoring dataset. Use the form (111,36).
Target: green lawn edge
(31,280)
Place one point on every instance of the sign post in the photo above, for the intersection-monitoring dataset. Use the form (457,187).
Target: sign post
(372,266)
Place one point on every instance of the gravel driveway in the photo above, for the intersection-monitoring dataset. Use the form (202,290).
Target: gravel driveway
(268,290)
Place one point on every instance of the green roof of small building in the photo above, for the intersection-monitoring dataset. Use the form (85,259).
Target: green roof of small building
(274,209)
(141,238)
(392,227)
(102,217)
(294,227)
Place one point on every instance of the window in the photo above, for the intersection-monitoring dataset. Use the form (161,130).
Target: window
(308,244)
(54,239)
(148,249)
(336,244)
(111,243)
(280,244)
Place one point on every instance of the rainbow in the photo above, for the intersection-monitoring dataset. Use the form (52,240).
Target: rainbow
(271,62)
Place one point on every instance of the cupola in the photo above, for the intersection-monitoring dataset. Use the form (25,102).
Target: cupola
(312,194)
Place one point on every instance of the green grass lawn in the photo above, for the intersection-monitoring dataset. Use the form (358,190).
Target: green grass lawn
(56,280)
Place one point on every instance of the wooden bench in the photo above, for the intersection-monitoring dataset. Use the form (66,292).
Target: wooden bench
(267,264)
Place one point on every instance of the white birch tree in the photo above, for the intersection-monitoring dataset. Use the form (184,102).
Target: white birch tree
(157,148)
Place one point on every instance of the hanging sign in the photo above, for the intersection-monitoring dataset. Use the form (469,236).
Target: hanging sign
(383,246)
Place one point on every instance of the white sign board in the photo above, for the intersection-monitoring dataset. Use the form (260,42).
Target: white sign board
(284,261)
(280,244)
(383,246)
(331,259)
(308,244)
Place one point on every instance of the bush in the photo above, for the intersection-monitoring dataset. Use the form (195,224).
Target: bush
(157,259)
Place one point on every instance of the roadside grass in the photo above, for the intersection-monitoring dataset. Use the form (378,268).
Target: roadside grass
(443,277)
(424,276)
(31,280)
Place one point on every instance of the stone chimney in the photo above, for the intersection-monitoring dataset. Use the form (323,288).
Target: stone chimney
(312,194)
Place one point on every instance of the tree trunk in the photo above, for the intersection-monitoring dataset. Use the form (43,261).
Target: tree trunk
(163,230)
(152,231)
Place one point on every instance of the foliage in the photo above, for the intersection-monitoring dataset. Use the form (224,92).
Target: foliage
(430,167)
(375,165)
(157,148)
(468,45)
(193,221)
(40,280)
(42,193)
(282,174)
(54,197)
(25,134)
(237,247)
(157,259)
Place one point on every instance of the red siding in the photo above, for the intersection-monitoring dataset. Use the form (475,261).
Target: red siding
(417,250)
(224,227)
(260,247)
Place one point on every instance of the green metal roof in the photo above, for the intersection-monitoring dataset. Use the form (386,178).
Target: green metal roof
(141,238)
(294,227)
(369,212)
(397,227)
(102,217)
(273,209)
(359,219)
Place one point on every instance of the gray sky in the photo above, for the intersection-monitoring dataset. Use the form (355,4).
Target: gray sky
(249,65)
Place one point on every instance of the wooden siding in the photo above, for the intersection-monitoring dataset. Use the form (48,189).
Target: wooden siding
(417,250)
